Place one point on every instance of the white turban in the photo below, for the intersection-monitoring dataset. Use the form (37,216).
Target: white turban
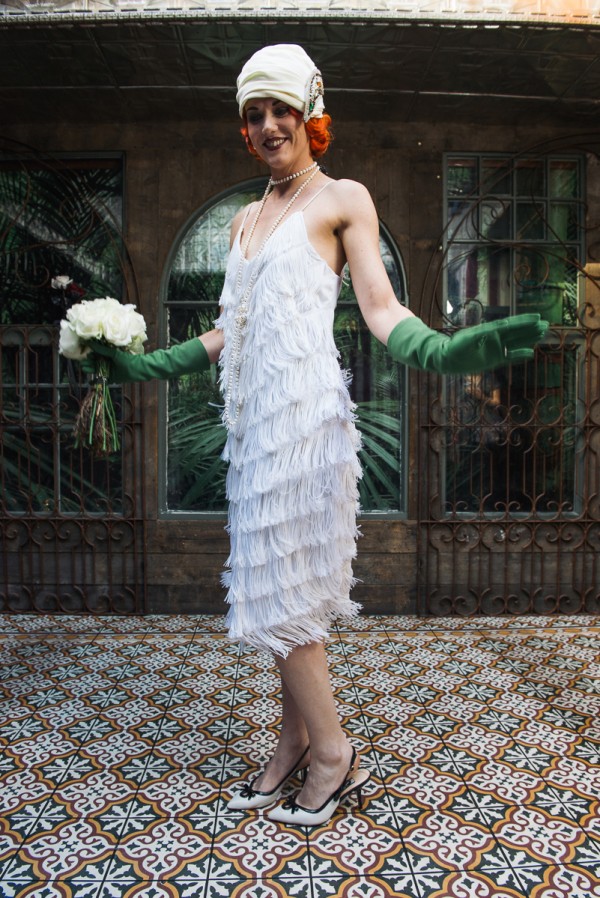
(285,72)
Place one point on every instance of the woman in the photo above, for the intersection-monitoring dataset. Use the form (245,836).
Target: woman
(292,443)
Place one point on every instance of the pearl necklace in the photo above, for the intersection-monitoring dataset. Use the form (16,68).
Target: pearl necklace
(297,174)
(232,410)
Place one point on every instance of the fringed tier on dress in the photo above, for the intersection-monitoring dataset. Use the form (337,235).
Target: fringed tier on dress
(292,453)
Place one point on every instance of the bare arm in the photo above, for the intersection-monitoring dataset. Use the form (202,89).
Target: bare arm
(359,232)
(408,339)
(213,341)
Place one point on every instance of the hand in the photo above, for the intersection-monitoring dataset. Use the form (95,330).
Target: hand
(89,363)
(467,351)
(183,358)
(106,349)
(494,343)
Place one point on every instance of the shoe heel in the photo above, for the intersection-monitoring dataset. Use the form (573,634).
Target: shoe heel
(357,788)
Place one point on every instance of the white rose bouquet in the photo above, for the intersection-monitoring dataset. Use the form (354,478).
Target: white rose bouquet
(114,323)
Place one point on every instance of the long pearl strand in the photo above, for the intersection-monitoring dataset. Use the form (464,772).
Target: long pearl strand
(230,416)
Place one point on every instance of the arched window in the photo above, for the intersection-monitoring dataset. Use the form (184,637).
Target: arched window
(192,436)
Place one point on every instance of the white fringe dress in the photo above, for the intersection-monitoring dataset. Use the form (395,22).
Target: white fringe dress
(292,453)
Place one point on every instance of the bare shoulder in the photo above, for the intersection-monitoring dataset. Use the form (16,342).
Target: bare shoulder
(352,190)
(351,199)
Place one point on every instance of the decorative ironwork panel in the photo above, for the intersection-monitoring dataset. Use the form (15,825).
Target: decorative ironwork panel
(511,520)
(509,504)
(71,525)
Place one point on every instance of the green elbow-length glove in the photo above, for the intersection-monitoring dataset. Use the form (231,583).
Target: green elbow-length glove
(467,351)
(183,358)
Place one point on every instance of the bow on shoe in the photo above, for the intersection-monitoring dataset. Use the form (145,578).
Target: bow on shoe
(250,798)
(246,791)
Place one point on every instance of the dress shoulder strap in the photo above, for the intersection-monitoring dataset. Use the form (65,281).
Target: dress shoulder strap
(318,193)
(238,236)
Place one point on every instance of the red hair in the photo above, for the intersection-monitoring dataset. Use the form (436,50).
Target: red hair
(318,130)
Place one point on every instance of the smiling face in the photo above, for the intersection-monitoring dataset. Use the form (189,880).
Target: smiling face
(278,134)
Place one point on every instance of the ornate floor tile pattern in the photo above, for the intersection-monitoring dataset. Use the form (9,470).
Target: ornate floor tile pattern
(121,738)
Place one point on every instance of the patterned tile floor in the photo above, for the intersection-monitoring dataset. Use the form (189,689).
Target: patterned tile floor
(120,739)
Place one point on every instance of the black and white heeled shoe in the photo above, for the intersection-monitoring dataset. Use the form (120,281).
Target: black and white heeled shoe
(248,798)
(292,812)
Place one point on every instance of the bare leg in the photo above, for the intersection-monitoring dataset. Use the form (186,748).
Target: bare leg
(306,677)
(293,739)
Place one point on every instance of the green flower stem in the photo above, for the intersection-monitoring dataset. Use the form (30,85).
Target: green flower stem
(96,425)
(110,433)
(93,414)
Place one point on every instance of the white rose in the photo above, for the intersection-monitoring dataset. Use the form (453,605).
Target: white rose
(61,282)
(115,327)
(107,306)
(69,343)
(136,347)
(108,303)
(85,320)
(120,325)
(136,323)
